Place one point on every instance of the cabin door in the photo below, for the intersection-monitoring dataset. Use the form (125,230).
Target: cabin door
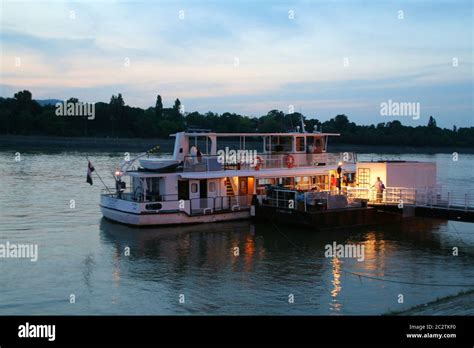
(194,189)
(198,194)
(203,188)
(183,190)
(205,202)
(194,196)
(243,186)
(212,193)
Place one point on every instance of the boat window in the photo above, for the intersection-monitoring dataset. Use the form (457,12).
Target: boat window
(264,183)
(286,182)
(194,188)
(363,175)
(314,144)
(350,178)
(153,189)
(302,182)
(300,144)
(153,206)
(212,187)
(321,182)
(282,144)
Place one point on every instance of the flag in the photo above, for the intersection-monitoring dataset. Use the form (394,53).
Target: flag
(90,169)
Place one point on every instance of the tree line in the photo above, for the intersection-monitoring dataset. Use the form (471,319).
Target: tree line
(22,115)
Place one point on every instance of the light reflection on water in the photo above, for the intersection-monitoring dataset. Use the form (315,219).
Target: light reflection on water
(83,254)
(336,282)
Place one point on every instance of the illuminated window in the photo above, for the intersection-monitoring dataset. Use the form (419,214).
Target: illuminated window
(364,177)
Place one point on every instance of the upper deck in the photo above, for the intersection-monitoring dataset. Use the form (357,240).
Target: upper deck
(210,151)
(268,161)
(293,142)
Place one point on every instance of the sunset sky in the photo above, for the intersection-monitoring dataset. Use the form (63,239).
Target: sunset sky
(247,57)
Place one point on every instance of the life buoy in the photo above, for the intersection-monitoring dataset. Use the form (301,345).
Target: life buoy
(258,163)
(290,161)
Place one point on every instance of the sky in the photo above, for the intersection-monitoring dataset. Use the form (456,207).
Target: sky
(321,58)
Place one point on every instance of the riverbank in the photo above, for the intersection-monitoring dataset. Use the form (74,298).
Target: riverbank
(39,142)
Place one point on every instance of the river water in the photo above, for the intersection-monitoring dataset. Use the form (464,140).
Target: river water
(83,255)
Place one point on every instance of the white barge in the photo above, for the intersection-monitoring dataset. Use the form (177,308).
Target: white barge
(207,184)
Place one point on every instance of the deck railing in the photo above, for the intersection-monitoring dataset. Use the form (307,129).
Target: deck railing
(436,197)
(266,161)
(139,197)
(194,206)
(220,203)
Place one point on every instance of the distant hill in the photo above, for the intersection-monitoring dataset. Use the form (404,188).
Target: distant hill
(44,102)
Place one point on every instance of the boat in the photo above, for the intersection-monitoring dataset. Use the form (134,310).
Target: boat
(214,177)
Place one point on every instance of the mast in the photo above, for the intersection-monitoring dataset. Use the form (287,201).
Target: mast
(302,123)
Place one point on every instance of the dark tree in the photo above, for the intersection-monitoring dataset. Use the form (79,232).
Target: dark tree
(158,107)
(177,106)
(23,97)
(73,100)
(432,122)
(120,101)
(116,107)
(340,122)
(23,115)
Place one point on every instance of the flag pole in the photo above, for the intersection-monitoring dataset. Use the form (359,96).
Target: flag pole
(98,175)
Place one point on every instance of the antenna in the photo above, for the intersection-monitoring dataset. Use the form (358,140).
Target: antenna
(302,121)
(291,121)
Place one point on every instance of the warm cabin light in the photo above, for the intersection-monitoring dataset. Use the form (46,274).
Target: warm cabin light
(117,173)
(339,164)
(250,184)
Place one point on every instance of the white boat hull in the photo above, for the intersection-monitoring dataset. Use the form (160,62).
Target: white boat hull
(175,218)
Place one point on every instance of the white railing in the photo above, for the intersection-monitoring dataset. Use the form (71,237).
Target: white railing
(221,203)
(437,197)
(429,196)
(310,200)
(268,161)
(139,197)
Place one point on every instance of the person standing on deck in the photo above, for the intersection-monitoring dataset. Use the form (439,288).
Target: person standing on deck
(333,183)
(379,187)
(199,155)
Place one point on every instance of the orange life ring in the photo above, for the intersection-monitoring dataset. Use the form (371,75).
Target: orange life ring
(259,162)
(290,161)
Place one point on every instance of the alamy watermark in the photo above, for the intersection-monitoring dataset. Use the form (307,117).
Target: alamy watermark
(392,108)
(228,156)
(19,251)
(37,331)
(76,109)
(355,251)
